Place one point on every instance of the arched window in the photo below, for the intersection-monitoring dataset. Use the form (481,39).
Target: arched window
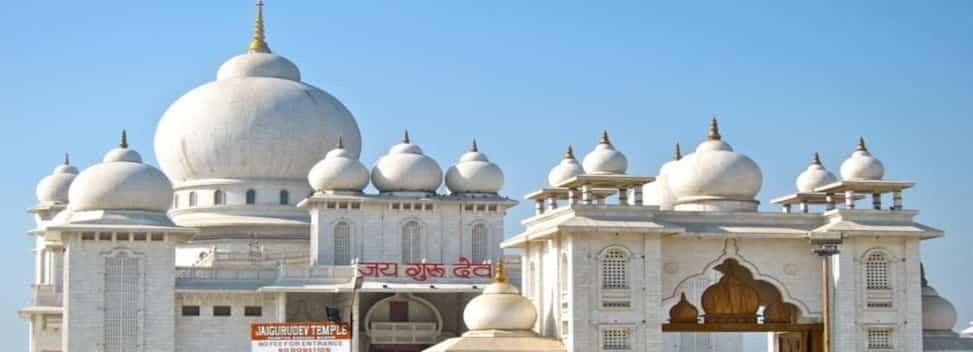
(411,242)
(481,243)
(251,196)
(218,198)
(877,272)
(342,244)
(175,201)
(614,269)
(192,199)
(285,197)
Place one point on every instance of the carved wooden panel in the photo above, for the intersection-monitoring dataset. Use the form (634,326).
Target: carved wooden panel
(731,300)
(683,312)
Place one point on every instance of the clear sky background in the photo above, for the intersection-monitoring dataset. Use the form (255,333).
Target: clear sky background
(526,78)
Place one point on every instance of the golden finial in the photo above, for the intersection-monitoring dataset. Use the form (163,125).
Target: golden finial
(861,144)
(569,154)
(405,137)
(474,148)
(501,276)
(124,142)
(714,130)
(258,45)
(604,137)
(678,155)
(67,159)
(341,143)
(817,159)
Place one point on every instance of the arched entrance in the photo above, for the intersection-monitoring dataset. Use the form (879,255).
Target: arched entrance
(740,303)
(402,323)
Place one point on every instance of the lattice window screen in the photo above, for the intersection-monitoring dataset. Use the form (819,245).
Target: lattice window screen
(880,339)
(616,339)
(481,242)
(342,244)
(121,303)
(411,243)
(614,269)
(877,272)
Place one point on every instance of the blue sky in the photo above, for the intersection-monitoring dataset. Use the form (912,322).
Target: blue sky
(525,78)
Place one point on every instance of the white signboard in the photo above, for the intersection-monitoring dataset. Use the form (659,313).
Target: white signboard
(300,337)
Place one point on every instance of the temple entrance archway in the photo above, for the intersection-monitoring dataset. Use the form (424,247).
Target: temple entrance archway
(739,303)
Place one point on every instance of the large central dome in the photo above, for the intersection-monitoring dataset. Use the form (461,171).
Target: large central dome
(256,121)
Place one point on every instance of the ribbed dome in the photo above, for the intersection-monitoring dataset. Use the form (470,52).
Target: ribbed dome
(474,173)
(938,314)
(406,169)
(604,159)
(862,165)
(565,170)
(500,307)
(715,173)
(121,185)
(54,188)
(815,176)
(338,172)
(256,121)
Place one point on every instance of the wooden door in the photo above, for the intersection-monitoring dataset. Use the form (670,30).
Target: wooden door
(791,342)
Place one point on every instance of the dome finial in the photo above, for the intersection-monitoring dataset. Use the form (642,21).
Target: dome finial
(501,276)
(341,143)
(474,148)
(258,45)
(405,137)
(817,159)
(67,159)
(678,155)
(604,138)
(714,130)
(861,144)
(124,142)
(569,154)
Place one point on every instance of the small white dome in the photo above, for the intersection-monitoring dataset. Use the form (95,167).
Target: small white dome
(259,65)
(406,169)
(338,171)
(121,185)
(715,173)
(54,188)
(815,176)
(862,165)
(604,159)
(565,170)
(474,173)
(938,314)
(500,307)
(658,193)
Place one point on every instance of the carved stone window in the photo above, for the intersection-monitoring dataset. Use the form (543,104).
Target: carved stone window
(614,269)
(251,196)
(481,243)
(877,272)
(342,243)
(121,302)
(616,339)
(879,339)
(411,242)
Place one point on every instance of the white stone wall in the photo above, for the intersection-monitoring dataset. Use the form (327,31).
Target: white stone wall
(208,333)
(84,302)
(852,318)
(45,332)
(376,231)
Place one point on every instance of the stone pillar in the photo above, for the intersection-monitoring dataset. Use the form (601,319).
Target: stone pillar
(623,196)
(638,196)
(826,250)
(829,199)
(572,196)
(786,208)
(538,207)
(804,208)
(551,203)
(586,194)
(897,200)
(850,199)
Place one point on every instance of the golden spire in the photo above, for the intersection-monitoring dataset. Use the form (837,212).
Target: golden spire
(604,137)
(714,130)
(341,143)
(258,45)
(678,155)
(569,154)
(124,142)
(474,148)
(501,276)
(405,137)
(817,159)
(861,144)
(67,159)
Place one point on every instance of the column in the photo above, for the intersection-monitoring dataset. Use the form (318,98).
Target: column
(623,196)
(586,194)
(804,208)
(551,202)
(897,200)
(877,201)
(786,208)
(850,199)
(826,250)
(829,199)
(572,196)
(538,207)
